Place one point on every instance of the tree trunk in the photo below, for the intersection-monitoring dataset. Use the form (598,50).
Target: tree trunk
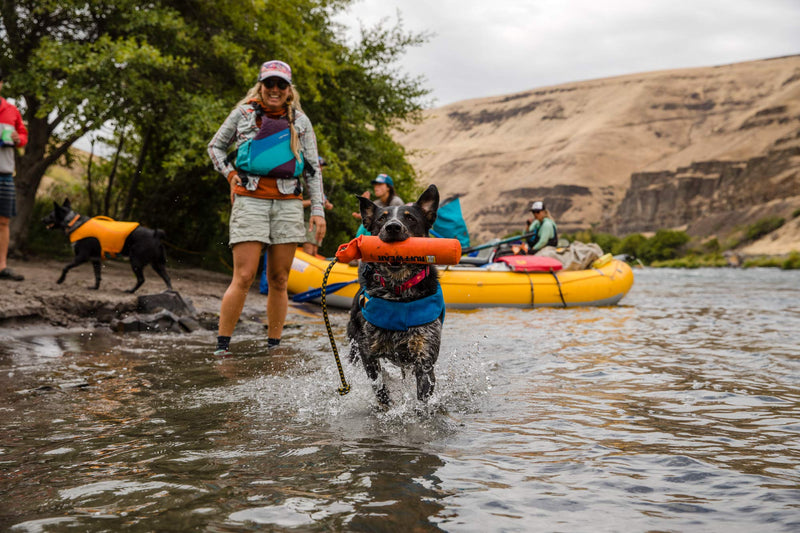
(126,211)
(89,186)
(113,174)
(30,169)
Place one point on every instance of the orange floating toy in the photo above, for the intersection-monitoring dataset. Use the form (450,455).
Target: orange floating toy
(425,250)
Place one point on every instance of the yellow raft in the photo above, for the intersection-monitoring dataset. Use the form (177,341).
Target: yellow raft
(492,285)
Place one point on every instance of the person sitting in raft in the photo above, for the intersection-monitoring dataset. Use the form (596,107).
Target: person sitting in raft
(385,195)
(543,227)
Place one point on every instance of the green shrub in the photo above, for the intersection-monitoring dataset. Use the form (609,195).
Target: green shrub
(712,246)
(792,262)
(796,213)
(580,236)
(763,227)
(665,244)
(692,261)
(630,245)
(606,241)
(762,261)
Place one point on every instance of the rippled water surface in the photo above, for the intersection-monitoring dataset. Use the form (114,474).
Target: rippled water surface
(678,410)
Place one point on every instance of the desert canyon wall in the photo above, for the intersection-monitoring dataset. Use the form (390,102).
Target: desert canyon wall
(706,150)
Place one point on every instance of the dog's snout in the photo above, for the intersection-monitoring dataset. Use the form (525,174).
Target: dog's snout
(393,227)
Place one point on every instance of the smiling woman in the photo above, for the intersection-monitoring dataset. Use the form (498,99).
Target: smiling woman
(275,146)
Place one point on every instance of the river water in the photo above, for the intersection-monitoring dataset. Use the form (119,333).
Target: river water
(677,410)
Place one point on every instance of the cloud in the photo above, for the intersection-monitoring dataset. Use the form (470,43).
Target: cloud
(502,46)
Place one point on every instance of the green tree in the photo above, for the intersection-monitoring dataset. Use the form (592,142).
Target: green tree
(164,75)
(73,66)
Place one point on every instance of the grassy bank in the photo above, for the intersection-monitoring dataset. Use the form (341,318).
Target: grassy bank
(676,249)
(789,262)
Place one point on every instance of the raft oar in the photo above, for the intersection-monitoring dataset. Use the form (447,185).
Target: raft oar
(471,249)
(313,294)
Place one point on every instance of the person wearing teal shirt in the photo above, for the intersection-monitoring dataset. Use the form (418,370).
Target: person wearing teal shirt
(543,227)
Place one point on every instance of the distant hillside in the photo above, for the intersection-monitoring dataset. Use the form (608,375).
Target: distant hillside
(708,150)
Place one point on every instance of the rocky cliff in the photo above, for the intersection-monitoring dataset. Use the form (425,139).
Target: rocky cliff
(705,149)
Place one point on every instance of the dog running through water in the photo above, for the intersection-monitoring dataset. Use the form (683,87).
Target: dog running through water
(92,238)
(398,313)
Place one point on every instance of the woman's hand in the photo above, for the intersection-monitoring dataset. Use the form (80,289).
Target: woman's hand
(234,181)
(316,224)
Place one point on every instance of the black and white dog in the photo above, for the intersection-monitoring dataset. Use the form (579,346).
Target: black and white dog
(92,238)
(398,313)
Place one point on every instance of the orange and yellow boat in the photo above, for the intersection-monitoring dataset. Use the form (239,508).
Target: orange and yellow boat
(493,285)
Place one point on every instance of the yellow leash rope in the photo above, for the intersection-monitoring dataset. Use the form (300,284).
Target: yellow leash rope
(345,388)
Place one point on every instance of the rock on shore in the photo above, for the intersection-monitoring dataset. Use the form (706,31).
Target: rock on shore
(38,300)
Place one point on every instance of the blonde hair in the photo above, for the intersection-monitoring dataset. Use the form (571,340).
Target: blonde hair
(292,107)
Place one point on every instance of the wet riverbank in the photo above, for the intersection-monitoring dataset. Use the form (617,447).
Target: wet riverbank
(39,301)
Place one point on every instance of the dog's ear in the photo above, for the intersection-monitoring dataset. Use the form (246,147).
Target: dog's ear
(429,203)
(56,207)
(367,209)
(67,204)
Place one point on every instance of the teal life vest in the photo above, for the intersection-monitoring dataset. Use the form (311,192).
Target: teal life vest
(270,155)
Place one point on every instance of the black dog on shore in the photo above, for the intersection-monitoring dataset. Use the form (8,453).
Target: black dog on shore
(92,238)
(398,313)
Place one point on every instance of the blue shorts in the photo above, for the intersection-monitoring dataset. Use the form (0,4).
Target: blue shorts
(8,197)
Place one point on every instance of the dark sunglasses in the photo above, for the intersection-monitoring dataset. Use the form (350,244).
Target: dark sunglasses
(536,211)
(270,83)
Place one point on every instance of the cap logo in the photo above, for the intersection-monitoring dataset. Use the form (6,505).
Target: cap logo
(275,68)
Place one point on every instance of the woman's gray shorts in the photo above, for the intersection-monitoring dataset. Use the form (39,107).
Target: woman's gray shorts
(267,221)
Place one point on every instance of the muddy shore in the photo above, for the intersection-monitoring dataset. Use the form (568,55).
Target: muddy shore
(39,301)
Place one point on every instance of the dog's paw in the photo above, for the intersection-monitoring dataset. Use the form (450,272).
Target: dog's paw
(60,281)
(383,398)
(94,287)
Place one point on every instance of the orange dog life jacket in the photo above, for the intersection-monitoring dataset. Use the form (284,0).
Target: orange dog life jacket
(109,232)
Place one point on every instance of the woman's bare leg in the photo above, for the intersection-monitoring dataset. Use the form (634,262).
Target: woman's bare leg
(279,264)
(246,256)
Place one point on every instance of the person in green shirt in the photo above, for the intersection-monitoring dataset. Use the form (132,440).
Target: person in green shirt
(543,227)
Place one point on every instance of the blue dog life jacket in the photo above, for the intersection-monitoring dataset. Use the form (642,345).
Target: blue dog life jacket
(399,316)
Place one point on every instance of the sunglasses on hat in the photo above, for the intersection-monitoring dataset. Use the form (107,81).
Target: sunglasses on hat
(270,83)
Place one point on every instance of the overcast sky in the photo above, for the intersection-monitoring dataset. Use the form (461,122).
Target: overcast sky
(484,48)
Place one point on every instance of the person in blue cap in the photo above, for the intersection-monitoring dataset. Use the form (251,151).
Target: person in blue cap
(385,195)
